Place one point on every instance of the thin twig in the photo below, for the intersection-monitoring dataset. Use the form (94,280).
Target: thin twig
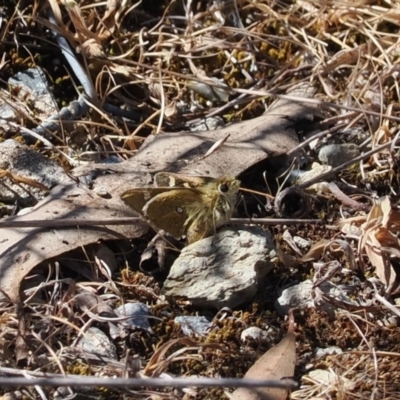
(69,222)
(109,383)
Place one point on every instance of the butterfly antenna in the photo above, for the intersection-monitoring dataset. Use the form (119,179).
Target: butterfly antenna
(253,193)
(246,211)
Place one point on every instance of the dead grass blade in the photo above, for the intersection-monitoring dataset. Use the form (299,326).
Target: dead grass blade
(159,362)
(22,179)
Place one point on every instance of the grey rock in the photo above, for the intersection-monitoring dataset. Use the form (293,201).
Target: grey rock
(305,295)
(21,160)
(222,271)
(137,314)
(337,154)
(33,93)
(193,325)
(299,295)
(210,92)
(137,318)
(97,342)
(7,114)
(33,89)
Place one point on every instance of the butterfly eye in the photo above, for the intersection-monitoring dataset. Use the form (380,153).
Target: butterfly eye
(224,187)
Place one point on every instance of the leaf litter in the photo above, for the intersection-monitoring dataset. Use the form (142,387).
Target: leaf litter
(236,45)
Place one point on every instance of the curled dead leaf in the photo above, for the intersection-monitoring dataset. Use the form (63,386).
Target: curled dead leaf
(379,242)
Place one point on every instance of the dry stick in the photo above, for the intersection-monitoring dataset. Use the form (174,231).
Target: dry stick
(274,221)
(63,223)
(81,381)
(67,222)
(346,200)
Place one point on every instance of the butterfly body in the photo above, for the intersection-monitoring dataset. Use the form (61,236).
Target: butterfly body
(185,205)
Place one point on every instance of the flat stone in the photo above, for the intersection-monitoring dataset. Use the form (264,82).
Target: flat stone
(137,314)
(193,325)
(321,353)
(299,295)
(33,89)
(207,124)
(223,270)
(137,318)
(97,342)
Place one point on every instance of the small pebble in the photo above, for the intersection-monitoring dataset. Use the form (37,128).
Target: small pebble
(97,342)
(253,333)
(301,242)
(337,154)
(137,313)
(319,352)
(197,325)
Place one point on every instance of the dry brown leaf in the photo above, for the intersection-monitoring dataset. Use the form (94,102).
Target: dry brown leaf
(249,142)
(21,249)
(171,110)
(109,20)
(79,22)
(275,364)
(91,49)
(324,272)
(377,238)
(21,345)
(316,250)
(394,223)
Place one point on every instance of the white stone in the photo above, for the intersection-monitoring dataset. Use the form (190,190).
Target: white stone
(221,271)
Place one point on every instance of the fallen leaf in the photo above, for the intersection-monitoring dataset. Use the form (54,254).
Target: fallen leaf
(287,260)
(334,245)
(380,243)
(316,250)
(21,249)
(275,364)
(249,142)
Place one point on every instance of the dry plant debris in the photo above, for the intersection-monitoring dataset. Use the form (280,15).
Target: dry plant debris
(149,71)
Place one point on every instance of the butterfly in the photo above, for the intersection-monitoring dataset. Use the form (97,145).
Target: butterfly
(185,205)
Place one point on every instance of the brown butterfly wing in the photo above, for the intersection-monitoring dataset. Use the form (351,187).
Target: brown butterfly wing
(200,228)
(168,179)
(171,210)
(138,197)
